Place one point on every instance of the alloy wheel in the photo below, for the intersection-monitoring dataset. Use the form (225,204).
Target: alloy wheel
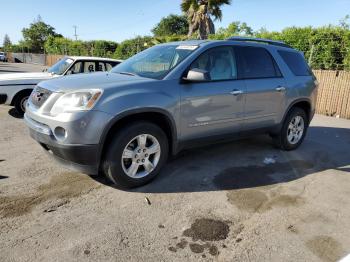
(141,156)
(295,130)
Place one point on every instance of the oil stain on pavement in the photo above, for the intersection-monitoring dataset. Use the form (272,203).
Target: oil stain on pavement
(326,248)
(62,187)
(241,177)
(249,184)
(206,231)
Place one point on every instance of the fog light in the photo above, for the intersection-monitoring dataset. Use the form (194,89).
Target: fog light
(60,133)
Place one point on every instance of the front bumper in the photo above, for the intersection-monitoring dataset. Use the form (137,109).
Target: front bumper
(3,98)
(80,157)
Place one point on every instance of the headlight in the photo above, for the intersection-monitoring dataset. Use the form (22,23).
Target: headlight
(76,101)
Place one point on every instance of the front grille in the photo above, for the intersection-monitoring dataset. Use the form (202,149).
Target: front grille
(39,96)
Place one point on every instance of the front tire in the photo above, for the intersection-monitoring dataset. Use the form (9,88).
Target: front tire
(20,102)
(293,130)
(136,154)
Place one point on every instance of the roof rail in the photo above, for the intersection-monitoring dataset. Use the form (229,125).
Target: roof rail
(259,40)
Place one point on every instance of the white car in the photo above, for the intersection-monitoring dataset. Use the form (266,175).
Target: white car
(3,57)
(15,88)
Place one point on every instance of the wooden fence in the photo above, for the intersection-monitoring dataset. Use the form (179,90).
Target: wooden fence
(334,93)
(52,59)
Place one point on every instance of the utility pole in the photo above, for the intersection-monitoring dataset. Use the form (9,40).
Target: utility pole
(75,32)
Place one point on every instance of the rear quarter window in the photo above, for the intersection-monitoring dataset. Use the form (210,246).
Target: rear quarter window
(256,62)
(110,65)
(296,63)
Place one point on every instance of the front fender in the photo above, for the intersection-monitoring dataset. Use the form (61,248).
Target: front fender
(136,100)
(12,90)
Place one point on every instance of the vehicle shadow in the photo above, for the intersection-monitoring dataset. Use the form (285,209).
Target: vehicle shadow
(13,112)
(240,164)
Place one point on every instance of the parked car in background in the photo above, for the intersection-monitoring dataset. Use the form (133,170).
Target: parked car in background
(15,88)
(3,57)
(124,123)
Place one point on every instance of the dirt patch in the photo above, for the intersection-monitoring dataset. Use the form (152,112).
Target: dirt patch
(241,177)
(257,201)
(207,230)
(213,250)
(17,206)
(326,248)
(247,199)
(284,201)
(197,248)
(64,186)
(172,249)
(182,244)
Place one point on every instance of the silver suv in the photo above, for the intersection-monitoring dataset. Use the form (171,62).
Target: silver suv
(125,122)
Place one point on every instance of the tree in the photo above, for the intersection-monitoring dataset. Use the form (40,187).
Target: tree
(344,22)
(233,29)
(199,13)
(131,47)
(7,42)
(37,33)
(171,25)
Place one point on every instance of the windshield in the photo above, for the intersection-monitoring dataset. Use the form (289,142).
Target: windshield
(61,66)
(155,62)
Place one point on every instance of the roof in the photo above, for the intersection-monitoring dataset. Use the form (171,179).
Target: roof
(94,58)
(240,40)
(188,42)
(259,40)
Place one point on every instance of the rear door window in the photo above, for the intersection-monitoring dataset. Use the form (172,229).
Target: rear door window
(101,67)
(256,62)
(89,66)
(296,63)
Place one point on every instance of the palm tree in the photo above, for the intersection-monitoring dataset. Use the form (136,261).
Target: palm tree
(199,13)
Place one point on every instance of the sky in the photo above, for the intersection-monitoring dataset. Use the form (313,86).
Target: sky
(118,20)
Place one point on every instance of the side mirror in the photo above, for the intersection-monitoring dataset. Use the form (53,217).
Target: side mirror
(197,75)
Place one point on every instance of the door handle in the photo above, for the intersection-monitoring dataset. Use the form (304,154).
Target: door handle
(236,92)
(280,88)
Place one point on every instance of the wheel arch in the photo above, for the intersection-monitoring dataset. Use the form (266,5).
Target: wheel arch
(303,103)
(19,93)
(155,115)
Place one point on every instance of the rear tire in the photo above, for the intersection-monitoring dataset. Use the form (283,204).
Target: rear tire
(136,154)
(293,130)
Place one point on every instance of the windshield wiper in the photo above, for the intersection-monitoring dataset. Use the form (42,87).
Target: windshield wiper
(127,73)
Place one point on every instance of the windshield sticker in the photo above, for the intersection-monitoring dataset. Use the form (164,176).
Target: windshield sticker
(187,47)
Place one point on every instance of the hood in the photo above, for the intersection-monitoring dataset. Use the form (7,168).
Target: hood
(24,78)
(101,80)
